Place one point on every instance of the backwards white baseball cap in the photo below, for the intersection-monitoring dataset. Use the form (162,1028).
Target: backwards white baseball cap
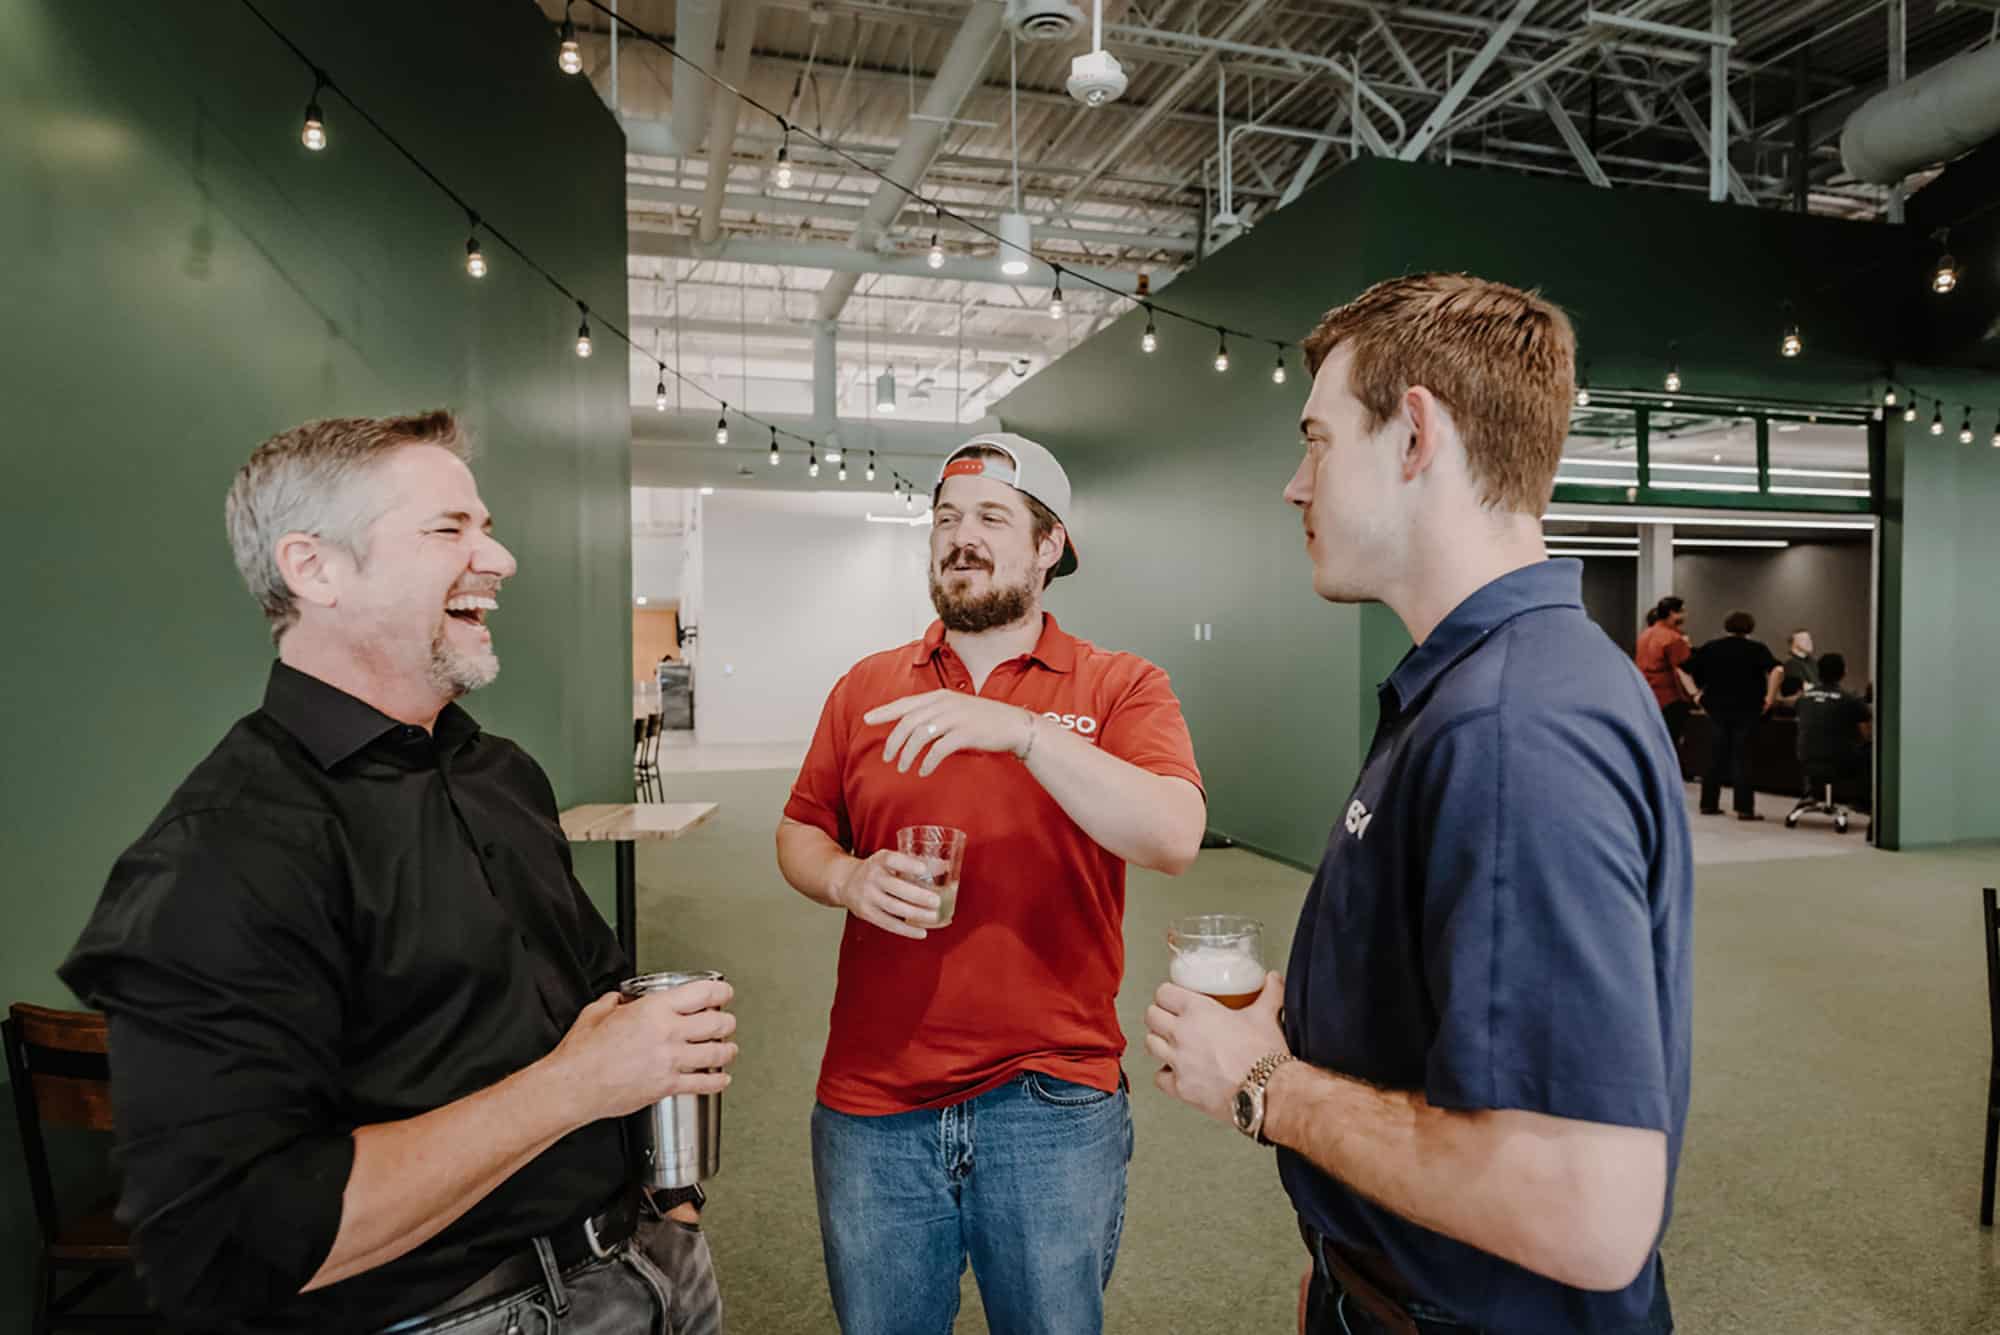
(1028,468)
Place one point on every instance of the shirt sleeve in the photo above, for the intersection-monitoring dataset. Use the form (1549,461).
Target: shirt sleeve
(1677,651)
(215,955)
(817,795)
(1538,919)
(1146,728)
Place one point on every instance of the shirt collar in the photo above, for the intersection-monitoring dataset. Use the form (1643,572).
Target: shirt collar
(1056,650)
(333,725)
(1557,583)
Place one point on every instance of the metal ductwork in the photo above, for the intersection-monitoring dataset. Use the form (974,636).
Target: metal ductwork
(1947,110)
(697,23)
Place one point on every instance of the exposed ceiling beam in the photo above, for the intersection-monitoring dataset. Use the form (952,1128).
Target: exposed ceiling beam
(1542,69)
(728,107)
(1435,123)
(846,260)
(1566,127)
(957,74)
(1691,118)
(980,346)
(697,23)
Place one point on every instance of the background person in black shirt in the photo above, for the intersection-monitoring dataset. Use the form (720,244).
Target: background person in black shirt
(1834,727)
(363,1060)
(1801,668)
(1739,683)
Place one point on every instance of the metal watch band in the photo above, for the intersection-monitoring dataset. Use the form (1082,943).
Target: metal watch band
(1259,1079)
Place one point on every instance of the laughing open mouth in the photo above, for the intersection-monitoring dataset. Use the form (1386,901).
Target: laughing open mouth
(470,608)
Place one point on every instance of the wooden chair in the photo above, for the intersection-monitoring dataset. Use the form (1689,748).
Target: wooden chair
(1993,1079)
(646,733)
(62,1078)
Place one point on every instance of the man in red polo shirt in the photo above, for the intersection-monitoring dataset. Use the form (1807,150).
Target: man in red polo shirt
(971,1104)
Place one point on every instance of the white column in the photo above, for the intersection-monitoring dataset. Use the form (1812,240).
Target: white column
(1656,566)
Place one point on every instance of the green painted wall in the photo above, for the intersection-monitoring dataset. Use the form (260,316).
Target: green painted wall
(1178,471)
(182,279)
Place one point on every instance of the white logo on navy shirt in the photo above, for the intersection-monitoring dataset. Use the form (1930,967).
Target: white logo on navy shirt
(1358,818)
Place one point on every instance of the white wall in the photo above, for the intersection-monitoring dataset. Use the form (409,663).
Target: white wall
(795,588)
(662,518)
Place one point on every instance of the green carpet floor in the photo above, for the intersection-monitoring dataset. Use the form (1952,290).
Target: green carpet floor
(1830,1179)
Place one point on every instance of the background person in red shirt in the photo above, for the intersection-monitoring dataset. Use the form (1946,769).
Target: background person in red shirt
(1662,654)
(971,1104)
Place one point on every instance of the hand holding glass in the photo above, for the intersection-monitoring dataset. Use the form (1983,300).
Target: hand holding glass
(1220,955)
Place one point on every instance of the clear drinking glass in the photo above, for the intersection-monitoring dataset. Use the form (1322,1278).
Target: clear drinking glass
(942,851)
(1219,954)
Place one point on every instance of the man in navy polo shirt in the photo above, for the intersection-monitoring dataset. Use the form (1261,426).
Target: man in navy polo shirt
(1478,1079)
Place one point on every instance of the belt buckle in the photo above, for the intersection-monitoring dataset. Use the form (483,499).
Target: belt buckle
(597,1249)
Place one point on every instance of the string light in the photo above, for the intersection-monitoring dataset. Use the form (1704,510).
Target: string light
(1792,345)
(812,463)
(313,136)
(1889,397)
(1910,410)
(1937,421)
(1221,351)
(569,58)
(777,456)
(1673,370)
(1944,278)
(475,262)
(909,499)
(1996,434)
(1150,340)
(1965,427)
(871,465)
(660,390)
(843,471)
(722,426)
(1278,368)
(936,258)
(1055,299)
(583,331)
(782,177)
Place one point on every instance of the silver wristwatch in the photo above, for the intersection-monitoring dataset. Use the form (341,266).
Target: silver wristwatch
(1249,1106)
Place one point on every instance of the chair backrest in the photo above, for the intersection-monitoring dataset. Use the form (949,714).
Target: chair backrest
(1993,968)
(61,1072)
(654,727)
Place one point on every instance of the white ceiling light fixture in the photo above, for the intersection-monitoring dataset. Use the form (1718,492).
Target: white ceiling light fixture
(1097,77)
(1731,542)
(885,392)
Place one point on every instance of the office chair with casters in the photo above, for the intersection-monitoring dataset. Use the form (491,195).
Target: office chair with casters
(1993,1077)
(1818,801)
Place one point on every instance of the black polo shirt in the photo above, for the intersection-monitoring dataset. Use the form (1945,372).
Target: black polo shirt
(337,920)
(1503,919)
(1734,673)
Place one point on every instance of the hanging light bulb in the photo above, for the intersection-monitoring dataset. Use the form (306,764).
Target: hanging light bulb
(1017,239)
(1582,394)
(812,463)
(1792,345)
(569,58)
(475,263)
(781,171)
(722,426)
(313,136)
(1910,411)
(583,331)
(1150,340)
(1889,397)
(843,472)
(1055,299)
(1945,277)
(1965,428)
(871,465)
(1673,380)
(1221,351)
(1278,368)
(1937,421)
(885,391)
(936,258)
(909,499)
(777,457)
(660,391)
(1996,435)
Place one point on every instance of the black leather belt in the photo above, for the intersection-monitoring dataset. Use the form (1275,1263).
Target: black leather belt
(595,1239)
(1365,1276)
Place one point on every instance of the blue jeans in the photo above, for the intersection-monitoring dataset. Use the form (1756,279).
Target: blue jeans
(1027,1181)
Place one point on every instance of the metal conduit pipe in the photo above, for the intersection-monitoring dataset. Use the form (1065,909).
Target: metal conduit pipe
(1943,112)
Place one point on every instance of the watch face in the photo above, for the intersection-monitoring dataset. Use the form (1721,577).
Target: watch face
(1246,1110)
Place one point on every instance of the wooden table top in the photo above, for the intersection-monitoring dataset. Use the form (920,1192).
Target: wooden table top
(611,822)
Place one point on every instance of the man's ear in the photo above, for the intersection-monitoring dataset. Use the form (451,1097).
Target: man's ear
(1049,555)
(310,569)
(1426,424)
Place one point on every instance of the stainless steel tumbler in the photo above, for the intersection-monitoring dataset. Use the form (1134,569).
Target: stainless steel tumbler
(676,1142)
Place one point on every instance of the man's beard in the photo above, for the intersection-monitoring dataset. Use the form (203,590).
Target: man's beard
(970,613)
(456,673)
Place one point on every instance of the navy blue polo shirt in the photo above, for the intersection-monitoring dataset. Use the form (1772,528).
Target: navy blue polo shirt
(1503,919)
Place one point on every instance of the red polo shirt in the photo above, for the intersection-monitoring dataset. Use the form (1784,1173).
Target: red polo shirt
(1026,976)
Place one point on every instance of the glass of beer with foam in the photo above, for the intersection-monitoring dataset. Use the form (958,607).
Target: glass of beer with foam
(1220,954)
